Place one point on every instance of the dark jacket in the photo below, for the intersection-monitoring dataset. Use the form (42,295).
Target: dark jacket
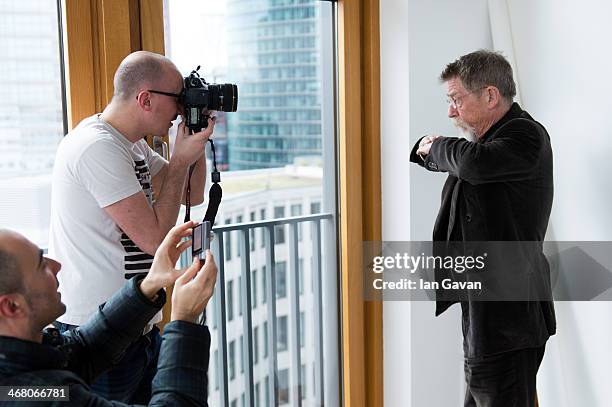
(77,357)
(498,189)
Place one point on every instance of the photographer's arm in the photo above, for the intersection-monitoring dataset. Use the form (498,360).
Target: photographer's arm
(198,182)
(146,226)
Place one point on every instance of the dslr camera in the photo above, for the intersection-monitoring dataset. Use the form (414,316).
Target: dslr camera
(199,96)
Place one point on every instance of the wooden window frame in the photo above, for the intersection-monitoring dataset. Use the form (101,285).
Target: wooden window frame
(360,197)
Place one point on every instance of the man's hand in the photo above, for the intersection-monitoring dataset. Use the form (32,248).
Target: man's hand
(189,147)
(193,289)
(163,273)
(425,145)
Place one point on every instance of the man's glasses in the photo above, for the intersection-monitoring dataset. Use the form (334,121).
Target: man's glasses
(178,96)
(457,102)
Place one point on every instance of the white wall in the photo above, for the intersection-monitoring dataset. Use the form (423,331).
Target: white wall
(423,354)
(395,190)
(563,62)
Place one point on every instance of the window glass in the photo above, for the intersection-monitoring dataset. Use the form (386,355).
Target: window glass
(281,333)
(281,279)
(31,114)
(272,153)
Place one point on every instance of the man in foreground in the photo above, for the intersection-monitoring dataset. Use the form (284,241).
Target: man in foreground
(499,188)
(33,356)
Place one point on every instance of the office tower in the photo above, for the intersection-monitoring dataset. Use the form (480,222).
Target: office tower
(274,51)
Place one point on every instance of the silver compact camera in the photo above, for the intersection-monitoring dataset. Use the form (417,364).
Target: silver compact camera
(200,240)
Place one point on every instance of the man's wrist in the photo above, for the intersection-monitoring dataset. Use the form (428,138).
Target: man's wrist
(148,289)
(177,164)
(177,316)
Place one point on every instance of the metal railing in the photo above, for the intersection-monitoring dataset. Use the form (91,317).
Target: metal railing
(220,307)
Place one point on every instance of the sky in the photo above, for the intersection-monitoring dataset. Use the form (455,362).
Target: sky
(197,35)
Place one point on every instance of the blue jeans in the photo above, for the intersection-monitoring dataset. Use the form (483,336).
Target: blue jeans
(129,381)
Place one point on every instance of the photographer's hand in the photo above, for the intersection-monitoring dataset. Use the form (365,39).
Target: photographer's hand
(188,148)
(193,290)
(162,273)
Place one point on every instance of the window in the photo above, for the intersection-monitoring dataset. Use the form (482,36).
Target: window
(265,339)
(228,241)
(281,333)
(264,292)
(254,289)
(232,360)
(241,354)
(281,279)
(279,231)
(240,295)
(303,381)
(31,114)
(252,233)
(256,345)
(283,386)
(296,210)
(230,300)
(240,240)
(315,207)
(283,133)
(262,216)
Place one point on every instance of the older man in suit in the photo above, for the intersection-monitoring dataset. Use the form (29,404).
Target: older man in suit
(499,188)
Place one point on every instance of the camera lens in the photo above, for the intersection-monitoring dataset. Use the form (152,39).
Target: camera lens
(224,97)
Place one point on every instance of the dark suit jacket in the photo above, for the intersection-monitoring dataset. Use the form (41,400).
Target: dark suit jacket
(498,189)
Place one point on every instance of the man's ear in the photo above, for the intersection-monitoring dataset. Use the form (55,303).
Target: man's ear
(12,306)
(144,100)
(493,96)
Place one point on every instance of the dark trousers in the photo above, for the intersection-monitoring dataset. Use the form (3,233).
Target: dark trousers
(504,380)
(129,381)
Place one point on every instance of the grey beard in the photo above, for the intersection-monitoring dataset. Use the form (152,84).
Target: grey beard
(468,135)
(465,131)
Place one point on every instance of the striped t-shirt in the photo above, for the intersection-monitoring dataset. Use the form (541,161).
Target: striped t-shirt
(96,167)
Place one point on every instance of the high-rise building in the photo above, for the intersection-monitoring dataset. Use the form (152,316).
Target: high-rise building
(274,49)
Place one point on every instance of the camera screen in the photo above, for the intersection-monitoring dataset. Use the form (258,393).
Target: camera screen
(197,239)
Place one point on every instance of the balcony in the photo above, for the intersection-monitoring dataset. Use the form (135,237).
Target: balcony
(272,370)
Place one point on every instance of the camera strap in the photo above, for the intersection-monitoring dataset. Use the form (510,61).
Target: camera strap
(214,194)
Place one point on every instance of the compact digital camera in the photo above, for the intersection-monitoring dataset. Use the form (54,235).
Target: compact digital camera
(199,96)
(200,240)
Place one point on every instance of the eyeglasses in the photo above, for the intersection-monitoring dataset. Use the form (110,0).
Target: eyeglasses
(178,96)
(456,102)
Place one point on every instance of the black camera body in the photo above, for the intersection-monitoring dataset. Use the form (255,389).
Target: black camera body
(199,96)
